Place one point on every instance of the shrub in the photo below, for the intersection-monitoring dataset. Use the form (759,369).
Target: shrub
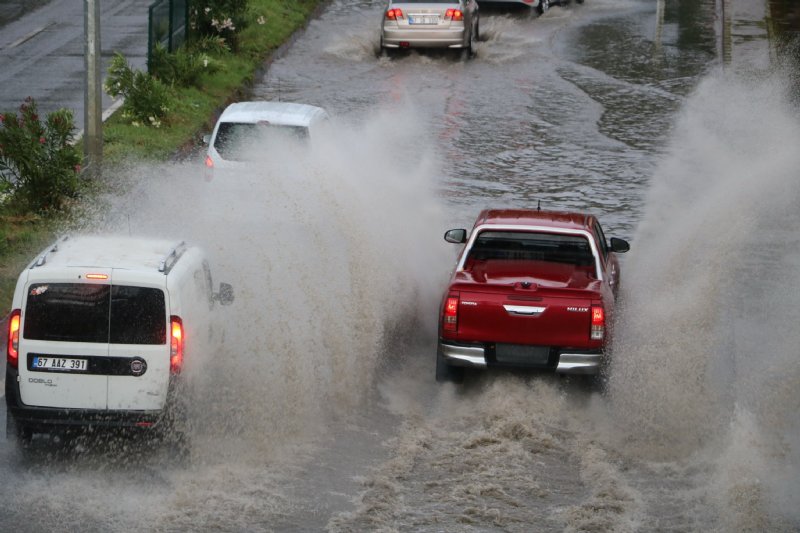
(221,18)
(38,164)
(183,68)
(147,100)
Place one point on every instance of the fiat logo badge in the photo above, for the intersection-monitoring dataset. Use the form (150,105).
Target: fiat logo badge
(138,367)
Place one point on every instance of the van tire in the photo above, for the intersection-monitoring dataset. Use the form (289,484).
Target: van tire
(17,433)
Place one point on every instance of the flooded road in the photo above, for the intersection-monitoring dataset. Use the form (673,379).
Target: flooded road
(322,413)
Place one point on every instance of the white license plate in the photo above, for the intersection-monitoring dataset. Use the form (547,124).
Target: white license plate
(66,364)
(420,19)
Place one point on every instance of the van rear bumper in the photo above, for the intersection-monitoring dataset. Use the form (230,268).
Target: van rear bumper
(48,419)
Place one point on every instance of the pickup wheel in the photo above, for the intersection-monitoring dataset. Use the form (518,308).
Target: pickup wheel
(446,373)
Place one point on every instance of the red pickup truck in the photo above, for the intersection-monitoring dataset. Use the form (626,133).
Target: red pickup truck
(532,289)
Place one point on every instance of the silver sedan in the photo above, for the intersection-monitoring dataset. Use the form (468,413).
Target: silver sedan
(430,24)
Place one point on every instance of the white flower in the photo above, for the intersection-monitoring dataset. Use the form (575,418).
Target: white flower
(261,20)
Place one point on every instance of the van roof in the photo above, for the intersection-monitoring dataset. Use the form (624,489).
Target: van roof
(109,251)
(283,113)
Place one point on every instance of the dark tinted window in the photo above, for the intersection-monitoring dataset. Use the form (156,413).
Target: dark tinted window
(234,141)
(81,312)
(137,315)
(529,246)
(72,312)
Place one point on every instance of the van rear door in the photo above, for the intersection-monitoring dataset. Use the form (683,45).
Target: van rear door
(138,348)
(64,342)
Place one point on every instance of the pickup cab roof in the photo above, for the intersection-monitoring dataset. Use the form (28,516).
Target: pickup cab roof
(534,217)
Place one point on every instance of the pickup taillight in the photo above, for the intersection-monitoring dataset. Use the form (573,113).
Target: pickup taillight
(450,314)
(598,330)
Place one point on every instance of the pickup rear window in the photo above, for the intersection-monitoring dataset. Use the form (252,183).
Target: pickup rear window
(529,246)
(82,312)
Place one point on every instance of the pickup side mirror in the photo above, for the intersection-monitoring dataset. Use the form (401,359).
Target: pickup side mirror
(456,236)
(206,138)
(619,246)
(225,294)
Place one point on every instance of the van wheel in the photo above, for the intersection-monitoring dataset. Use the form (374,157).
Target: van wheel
(17,433)
(447,373)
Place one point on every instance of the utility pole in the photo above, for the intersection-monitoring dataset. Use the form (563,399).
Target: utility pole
(93,103)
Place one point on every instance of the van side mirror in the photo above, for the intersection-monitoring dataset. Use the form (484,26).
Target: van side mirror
(225,294)
(206,138)
(456,236)
(619,246)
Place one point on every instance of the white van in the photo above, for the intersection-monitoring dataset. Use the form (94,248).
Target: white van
(244,127)
(99,331)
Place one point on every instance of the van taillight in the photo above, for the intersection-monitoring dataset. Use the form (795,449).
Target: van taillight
(209,162)
(394,14)
(175,344)
(598,324)
(450,319)
(14,320)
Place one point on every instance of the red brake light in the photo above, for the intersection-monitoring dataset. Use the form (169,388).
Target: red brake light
(598,323)
(14,320)
(209,162)
(394,14)
(454,14)
(450,319)
(175,344)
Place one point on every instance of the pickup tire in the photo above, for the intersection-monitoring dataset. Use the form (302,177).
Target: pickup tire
(447,373)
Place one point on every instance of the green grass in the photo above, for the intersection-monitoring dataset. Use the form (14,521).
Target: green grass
(22,236)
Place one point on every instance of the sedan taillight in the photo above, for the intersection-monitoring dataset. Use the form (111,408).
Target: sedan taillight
(454,14)
(394,14)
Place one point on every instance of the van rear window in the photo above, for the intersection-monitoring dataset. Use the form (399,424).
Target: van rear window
(82,312)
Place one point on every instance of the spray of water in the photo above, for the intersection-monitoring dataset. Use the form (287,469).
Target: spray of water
(706,345)
(332,247)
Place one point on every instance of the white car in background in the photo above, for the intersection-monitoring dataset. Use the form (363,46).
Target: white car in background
(244,127)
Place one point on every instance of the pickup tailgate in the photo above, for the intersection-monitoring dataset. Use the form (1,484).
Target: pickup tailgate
(498,306)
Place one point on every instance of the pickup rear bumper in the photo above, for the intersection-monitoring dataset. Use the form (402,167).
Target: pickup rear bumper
(560,360)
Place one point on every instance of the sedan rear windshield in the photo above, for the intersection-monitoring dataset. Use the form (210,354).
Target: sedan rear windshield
(82,312)
(530,246)
(238,141)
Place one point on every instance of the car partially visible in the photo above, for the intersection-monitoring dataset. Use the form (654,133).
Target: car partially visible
(453,24)
(541,5)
